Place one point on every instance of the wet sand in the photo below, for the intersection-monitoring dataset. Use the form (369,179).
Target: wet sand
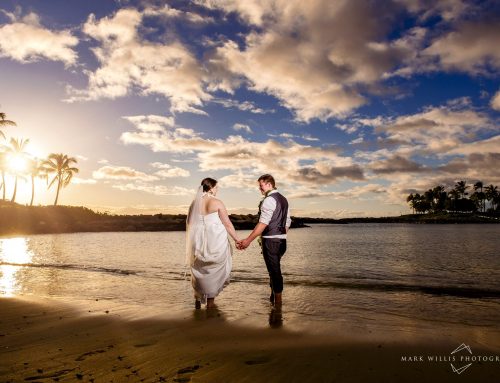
(47,341)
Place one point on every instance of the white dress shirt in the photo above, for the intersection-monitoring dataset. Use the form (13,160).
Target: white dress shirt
(266,212)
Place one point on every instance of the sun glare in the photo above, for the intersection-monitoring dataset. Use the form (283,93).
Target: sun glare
(13,252)
(17,164)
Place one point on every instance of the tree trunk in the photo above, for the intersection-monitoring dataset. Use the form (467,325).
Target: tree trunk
(32,190)
(15,191)
(3,183)
(58,188)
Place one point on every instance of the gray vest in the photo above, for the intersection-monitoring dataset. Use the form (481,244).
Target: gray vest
(277,225)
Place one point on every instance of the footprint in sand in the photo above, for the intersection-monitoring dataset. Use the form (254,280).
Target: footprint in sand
(83,356)
(259,360)
(188,371)
(54,375)
(144,344)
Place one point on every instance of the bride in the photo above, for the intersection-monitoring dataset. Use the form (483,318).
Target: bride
(208,250)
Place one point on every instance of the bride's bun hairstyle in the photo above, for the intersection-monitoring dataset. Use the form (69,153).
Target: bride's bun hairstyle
(267,178)
(208,184)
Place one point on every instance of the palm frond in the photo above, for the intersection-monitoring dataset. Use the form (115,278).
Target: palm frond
(52,182)
(67,180)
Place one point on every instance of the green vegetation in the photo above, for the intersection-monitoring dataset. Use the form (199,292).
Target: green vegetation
(437,218)
(438,200)
(18,219)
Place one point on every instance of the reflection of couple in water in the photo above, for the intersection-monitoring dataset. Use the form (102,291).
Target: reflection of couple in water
(208,249)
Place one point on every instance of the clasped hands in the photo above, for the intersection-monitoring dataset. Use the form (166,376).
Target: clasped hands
(242,244)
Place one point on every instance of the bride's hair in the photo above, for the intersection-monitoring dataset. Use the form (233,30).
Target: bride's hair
(208,184)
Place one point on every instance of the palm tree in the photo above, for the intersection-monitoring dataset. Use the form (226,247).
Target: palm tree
(461,187)
(5,122)
(35,169)
(454,194)
(492,194)
(440,196)
(411,199)
(3,167)
(479,196)
(17,149)
(60,164)
(3,164)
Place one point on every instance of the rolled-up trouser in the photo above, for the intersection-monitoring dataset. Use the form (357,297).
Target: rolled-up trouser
(272,250)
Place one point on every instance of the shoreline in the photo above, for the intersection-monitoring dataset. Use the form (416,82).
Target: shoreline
(48,339)
(24,220)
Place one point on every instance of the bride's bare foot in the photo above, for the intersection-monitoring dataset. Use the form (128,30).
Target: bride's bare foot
(211,303)
(197,304)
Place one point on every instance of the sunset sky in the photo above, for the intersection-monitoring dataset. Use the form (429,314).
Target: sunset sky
(351,105)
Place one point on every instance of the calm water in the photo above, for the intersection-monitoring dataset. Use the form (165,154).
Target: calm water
(410,276)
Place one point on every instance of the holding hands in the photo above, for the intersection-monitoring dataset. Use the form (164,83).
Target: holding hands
(257,231)
(243,244)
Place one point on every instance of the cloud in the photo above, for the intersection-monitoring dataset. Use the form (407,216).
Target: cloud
(396,164)
(26,40)
(355,192)
(136,180)
(246,106)
(495,101)
(169,171)
(447,10)
(236,153)
(325,173)
(243,127)
(488,145)
(151,123)
(121,173)
(83,181)
(471,47)
(128,61)
(240,180)
(160,190)
(435,130)
(312,56)
(306,137)
(476,166)
(172,13)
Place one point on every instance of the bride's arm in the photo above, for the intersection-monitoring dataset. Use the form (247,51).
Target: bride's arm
(224,217)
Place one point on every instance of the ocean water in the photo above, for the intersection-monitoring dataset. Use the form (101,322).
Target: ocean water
(370,276)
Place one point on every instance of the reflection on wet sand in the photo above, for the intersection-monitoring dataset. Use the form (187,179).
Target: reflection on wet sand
(275,319)
(276,316)
(203,314)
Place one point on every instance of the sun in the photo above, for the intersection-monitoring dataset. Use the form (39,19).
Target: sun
(17,164)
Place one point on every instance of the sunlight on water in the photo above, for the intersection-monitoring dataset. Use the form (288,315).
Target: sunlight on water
(366,275)
(12,251)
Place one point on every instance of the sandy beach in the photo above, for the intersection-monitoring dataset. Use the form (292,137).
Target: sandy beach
(48,340)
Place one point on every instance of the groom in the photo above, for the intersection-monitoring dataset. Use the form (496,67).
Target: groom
(274,222)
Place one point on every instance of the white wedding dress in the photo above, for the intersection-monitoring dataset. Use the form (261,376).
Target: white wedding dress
(209,252)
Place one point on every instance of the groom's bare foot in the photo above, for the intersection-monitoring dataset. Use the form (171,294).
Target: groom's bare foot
(277,299)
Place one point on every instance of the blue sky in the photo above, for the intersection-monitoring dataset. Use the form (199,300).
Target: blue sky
(351,105)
